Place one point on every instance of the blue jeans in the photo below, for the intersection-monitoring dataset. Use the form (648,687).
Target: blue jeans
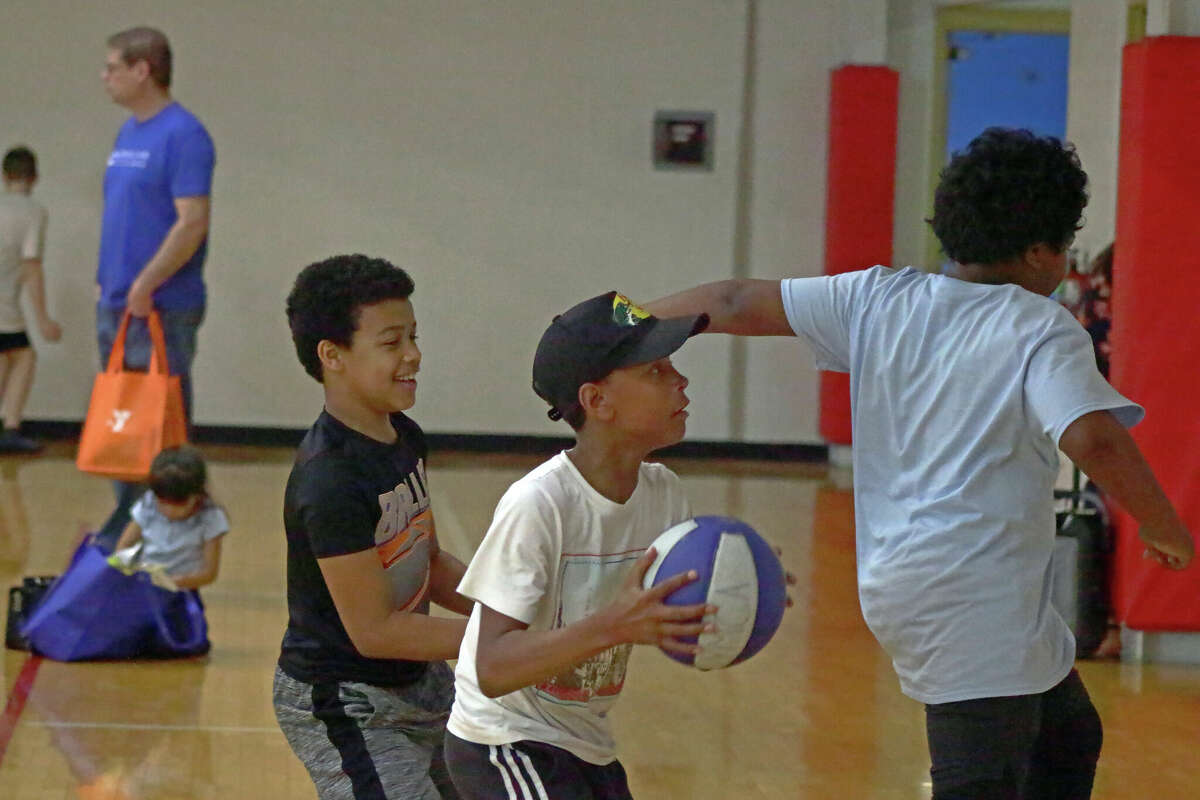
(179,330)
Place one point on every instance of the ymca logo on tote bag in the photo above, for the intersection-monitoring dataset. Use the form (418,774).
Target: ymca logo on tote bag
(132,415)
(119,417)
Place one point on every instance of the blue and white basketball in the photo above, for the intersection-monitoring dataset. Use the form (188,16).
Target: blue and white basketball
(738,572)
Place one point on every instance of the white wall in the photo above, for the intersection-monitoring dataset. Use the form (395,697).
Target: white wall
(791,144)
(1098,33)
(499,151)
(911,50)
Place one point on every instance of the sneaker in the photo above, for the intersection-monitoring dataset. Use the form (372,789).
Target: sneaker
(14,442)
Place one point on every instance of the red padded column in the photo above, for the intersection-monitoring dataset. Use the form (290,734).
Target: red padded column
(1156,309)
(863,108)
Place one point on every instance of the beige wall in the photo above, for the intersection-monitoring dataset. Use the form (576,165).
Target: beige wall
(499,151)
(1098,33)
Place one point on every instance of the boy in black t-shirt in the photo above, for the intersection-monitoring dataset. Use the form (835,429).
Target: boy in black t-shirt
(362,692)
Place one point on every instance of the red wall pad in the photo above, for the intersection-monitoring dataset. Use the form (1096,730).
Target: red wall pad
(863,108)
(1156,295)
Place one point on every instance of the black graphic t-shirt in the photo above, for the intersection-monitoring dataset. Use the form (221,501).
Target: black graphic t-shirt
(348,493)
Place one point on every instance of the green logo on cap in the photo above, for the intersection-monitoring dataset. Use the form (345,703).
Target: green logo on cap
(625,313)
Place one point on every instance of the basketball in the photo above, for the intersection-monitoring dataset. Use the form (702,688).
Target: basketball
(738,572)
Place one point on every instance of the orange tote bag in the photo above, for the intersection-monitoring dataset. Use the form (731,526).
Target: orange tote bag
(132,415)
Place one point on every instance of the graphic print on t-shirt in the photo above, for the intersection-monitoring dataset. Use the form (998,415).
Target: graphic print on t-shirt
(588,582)
(134,159)
(402,538)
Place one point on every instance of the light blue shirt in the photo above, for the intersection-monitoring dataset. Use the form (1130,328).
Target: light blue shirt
(959,394)
(177,545)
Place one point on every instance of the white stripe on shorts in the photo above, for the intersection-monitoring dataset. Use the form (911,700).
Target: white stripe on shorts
(510,771)
(533,776)
(493,756)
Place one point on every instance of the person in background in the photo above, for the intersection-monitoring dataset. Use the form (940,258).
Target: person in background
(964,387)
(22,241)
(154,233)
(362,690)
(177,522)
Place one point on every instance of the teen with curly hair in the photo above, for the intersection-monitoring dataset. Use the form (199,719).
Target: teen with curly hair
(362,689)
(964,385)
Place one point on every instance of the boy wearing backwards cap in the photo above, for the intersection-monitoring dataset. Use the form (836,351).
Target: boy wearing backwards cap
(557,580)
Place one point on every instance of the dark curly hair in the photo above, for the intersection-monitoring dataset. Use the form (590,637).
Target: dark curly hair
(326,299)
(1009,190)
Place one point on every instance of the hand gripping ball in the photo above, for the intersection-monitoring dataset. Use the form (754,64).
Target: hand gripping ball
(738,572)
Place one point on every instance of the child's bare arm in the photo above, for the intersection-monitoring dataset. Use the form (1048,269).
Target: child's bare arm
(207,573)
(744,307)
(31,274)
(1104,450)
(377,629)
(129,537)
(445,573)
(511,657)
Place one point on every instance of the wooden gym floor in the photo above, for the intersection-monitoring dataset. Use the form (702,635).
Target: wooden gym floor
(817,714)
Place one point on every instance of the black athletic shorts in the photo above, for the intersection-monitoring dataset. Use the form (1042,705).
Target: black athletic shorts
(13,341)
(530,771)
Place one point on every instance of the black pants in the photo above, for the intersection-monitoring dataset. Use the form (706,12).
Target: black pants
(1031,747)
(529,771)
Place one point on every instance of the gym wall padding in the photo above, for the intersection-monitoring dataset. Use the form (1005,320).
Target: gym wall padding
(1156,297)
(859,204)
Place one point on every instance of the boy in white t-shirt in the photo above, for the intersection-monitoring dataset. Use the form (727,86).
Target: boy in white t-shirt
(22,240)
(962,386)
(557,580)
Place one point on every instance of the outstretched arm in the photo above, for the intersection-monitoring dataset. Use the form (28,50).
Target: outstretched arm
(1104,450)
(745,307)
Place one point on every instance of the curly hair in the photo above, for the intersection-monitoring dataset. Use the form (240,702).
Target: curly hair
(326,299)
(1009,190)
(178,473)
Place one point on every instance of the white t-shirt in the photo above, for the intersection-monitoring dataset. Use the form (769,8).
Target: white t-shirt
(22,236)
(959,394)
(557,551)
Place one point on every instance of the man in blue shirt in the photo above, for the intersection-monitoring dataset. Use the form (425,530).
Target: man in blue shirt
(154,234)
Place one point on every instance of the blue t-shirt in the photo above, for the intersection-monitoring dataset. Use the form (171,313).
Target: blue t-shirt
(152,163)
(959,393)
(177,545)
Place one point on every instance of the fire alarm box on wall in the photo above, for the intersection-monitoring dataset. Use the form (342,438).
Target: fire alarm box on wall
(683,140)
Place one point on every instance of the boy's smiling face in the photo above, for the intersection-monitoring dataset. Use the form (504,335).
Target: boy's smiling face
(381,364)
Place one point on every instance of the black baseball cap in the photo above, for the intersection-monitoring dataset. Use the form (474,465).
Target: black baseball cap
(599,335)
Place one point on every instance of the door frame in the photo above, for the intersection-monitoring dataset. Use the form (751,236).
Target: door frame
(971,18)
